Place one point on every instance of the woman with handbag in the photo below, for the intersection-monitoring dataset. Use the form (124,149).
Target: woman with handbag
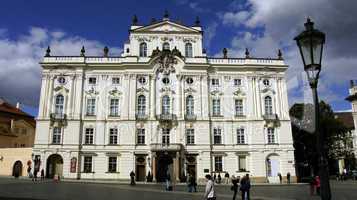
(234,187)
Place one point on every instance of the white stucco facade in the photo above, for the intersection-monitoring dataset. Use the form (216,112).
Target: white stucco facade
(196,114)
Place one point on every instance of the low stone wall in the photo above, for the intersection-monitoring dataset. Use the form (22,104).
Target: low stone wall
(8,157)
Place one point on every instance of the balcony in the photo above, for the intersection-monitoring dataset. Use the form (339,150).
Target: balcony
(60,118)
(271,120)
(141,116)
(165,147)
(190,117)
(166,117)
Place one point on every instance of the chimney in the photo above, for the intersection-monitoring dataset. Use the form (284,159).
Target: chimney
(18,105)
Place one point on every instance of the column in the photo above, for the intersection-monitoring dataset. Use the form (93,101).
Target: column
(152,92)
(177,167)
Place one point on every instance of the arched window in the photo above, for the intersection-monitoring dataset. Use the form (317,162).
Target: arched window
(188,50)
(268,105)
(165,105)
(143,49)
(141,105)
(189,105)
(166,46)
(59,104)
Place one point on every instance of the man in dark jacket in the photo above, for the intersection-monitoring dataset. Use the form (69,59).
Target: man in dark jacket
(245,187)
(132,178)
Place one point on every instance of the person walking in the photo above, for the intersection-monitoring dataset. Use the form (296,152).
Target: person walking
(35,175)
(210,193)
(42,174)
(132,178)
(226,178)
(168,180)
(219,178)
(214,178)
(280,178)
(245,187)
(234,187)
(317,184)
(288,177)
(191,183)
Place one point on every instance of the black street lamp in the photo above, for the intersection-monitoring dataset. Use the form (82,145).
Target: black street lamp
(310,43)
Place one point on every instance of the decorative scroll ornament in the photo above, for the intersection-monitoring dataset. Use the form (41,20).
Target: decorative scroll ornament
(239,92)
(167,90)
(189,90)
(92,91)
(61,88)
(268,89)
(142,90)
(166,60)
(115,92)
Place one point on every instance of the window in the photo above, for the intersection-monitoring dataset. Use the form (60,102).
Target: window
(166,105)
(61,80)
(242,166)
(92,80)
(141,136)
(239,107)
(266,82)
(189,105)
(271,136)
(165,136)
(87,164)
(268,105)
(115,81)
(189,80)
(90,106)
(142,80)
(217,136)
(113,136)
(188,50)
(218,163)
(166,46)
(114,107)
(143,50)
(88,139)
(166,80)
(215,82)
(237,82)
(112,164)
(240,136)
(141,105)
(190,136)
(59,104)
(56,137)
(216,107)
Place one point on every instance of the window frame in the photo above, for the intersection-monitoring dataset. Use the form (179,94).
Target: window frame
(166,136)
(59,104)
(242,157)
(57,135)
(116,81)
(215,82)
(216,107)
(141,105)
(112,165)
(114,108)
(190,105)
(143,49)
(87,164)
(240,133)
(89,136)
(271,136)
(268,105)
(217,136)
(190,136)
(113,136)
(90,80)
(239,108)
(140,136)
(166,107)
(91,106)
(218,163)
(188,50)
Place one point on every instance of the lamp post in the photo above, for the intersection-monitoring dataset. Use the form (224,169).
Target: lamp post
(310,43)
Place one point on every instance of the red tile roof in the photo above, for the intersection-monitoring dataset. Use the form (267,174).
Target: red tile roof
(8,112)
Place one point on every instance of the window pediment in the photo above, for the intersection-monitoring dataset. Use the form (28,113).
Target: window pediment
(92,92)
(142,90)
(61,89)
(239,92)
(115,92)
(190,90)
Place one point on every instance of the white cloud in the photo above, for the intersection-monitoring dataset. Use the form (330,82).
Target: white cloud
(210,33)
(19,58)
(282,20)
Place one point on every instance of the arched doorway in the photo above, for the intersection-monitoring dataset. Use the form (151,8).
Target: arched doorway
(164,167)
(272,165)
(54,166)
(140,168)
(17,169)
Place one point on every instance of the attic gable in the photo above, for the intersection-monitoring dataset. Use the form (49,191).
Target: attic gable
(165,26)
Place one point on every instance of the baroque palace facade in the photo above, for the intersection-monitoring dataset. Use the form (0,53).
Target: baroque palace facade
(163,107)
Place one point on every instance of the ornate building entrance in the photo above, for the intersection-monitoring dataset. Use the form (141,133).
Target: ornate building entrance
(54,166)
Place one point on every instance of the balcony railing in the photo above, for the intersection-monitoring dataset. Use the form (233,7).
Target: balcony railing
(60,118)
(270,117)
(167,117)
(190,117)
(141,116)
(165,147)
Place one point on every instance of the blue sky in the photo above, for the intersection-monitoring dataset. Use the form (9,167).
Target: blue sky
(27,27)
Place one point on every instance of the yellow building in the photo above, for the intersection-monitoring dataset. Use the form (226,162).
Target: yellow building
(17,133)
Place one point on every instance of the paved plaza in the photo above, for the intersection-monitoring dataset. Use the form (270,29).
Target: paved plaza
(27,190)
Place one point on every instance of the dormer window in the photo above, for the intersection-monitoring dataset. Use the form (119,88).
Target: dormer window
(188,50)
(92,80)
(266,82)
(166,46)
(143,49)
